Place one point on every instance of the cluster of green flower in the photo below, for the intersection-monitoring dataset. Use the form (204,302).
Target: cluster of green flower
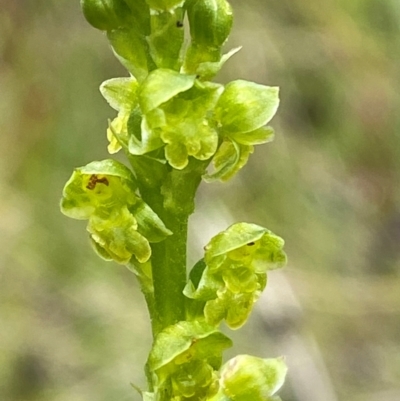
(172,123)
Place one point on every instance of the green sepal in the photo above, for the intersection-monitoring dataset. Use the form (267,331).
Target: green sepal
(235,237)
(149,224)
(256,137)
(230,157)
(246,243)
(166,39)
(160,86)
(184,341)
(105,14)
(103,192)
(204,62)
(131,49)
(164,5)
(248,378)
(210,21)
(246,106)
(120,93)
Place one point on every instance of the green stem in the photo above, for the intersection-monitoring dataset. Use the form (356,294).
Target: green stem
(150,191)
(169,270)
(171,196)
(169,257)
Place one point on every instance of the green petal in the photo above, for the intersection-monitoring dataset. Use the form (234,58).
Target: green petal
(176,154)
(240,279)
(246,106)
(228,160)
(120,93)
(270,254)
(116,234)
(160,86)
(101,251)
(149,139)
(188,140)
(233,308)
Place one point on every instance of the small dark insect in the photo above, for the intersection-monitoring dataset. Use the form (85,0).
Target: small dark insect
(250,243)
(179,24)
(93,180)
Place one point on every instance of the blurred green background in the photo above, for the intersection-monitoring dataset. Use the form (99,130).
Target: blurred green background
(73,327)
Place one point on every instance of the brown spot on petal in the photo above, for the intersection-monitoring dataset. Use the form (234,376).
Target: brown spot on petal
(94,179)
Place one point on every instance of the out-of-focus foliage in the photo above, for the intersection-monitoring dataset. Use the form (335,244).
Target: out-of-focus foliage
(73,327)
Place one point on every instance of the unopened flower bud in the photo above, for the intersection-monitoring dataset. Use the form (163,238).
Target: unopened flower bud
(105,14)
(210,21)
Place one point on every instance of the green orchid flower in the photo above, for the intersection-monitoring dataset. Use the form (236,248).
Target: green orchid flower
(120,224)
(242,111)
(177,117)
(236,262)
(185,358)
